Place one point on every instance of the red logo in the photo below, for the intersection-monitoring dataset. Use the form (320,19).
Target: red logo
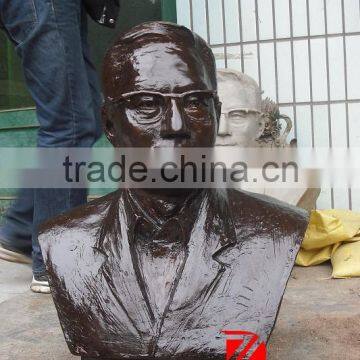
(241,345)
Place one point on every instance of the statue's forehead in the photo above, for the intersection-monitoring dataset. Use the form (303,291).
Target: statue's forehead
(163,66)
(236,94)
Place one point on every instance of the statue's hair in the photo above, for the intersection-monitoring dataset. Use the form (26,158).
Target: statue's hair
(160,31)
(247,82)
(237,75)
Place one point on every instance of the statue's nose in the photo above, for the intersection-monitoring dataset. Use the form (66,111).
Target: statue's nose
(223,126)
(174,124)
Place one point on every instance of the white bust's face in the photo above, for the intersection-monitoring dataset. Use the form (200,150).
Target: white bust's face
(241,122)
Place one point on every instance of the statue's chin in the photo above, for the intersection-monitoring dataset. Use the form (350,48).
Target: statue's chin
(241,143)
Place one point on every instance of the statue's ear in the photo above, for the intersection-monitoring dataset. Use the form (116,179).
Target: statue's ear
(218,105)
(108,125)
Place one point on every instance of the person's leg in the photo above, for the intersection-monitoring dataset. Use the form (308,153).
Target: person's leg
(92,74)
(57,78)
(56,75)
(76,110)
(15,234)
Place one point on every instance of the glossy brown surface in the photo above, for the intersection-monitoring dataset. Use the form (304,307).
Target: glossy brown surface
(165,58)
(156,274)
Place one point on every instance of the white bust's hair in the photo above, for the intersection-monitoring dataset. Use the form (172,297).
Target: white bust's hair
(251,90)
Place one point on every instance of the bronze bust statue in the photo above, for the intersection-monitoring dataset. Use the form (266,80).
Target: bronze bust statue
(159,274)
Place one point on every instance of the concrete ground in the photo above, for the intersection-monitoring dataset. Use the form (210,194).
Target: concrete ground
(319,319)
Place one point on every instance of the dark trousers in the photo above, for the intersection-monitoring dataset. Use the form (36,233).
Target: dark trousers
(50,36)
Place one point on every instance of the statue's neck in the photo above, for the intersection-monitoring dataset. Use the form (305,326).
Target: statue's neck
(161,205)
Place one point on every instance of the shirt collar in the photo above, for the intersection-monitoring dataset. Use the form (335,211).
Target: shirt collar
(146,226)
(214,200)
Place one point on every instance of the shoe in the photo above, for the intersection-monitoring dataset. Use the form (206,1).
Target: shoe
(12,255)
(40,284)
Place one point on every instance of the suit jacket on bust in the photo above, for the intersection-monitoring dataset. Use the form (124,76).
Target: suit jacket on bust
(239,257)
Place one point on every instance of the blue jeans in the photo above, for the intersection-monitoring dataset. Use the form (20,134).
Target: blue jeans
(50,36)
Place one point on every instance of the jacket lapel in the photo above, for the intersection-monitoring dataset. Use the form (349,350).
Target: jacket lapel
(212,234)
(118,270)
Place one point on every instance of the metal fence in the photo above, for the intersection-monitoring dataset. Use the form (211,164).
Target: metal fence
(304,54)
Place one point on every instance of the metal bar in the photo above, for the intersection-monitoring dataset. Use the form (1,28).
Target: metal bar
(293,66)
(275,52)
(224,31)
(191,15)
(345,74)
(207,21)
(258,43)
(350,198)
(332,198)
(241,43)
(324,102)
(17,109)
(328,87)
(328,72)
(19,127)
(310,75)
(287,39)
(346,91)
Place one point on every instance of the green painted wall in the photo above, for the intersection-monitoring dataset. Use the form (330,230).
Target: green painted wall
(17,127)
(13,93)
(168,10)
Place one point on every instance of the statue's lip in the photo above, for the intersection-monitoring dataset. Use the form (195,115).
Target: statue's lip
(231,144)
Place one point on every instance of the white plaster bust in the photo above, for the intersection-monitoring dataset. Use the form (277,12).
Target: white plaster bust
(242,122)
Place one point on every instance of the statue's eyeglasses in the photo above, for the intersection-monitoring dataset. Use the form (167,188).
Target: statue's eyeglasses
(147,107)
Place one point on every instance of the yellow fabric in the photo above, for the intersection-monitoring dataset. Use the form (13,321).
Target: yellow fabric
(346,261)
(333,235)
(315,256)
